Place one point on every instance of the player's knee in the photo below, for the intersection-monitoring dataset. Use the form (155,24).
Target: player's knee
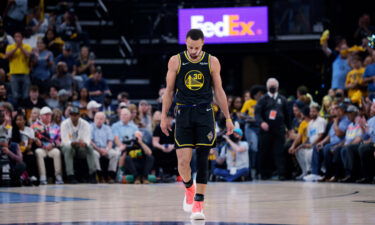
(202,164)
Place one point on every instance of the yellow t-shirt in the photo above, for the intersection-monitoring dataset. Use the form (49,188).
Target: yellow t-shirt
(302,130)
(249,107)
(355,76)
(19,62)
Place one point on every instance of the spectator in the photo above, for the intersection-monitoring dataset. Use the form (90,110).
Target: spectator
(76,142)
(123,132)
(236,108)
(164,151)
(134,119)
(366,151)
(34,115)
(246,96)
(83,100)
(38,22)
(115,118)
(57,116)
(108,108)
(139,160)
(272,114)
(33,101)
(364,28)
(68,58)
(7,108)
(159,100)
(18,55)
(97,86)
(353,138)
(102,140)
(85,63)
(315,132)
(354,82)
(24,136)
(5,40)
(92,108)
(54,43)
(123,97)
(70,30)
(63,99)
(144,110)
(235,154)
(62,79)
(53,99)
(369,76)
(15,12)
(4,93)
(42,65)
(47,140)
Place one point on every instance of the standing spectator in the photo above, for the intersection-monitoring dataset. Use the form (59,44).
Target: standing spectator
(70,30)
(235,154)
(53,99)
(42,65)
(68,58)
(62,79)
(15,12)
(97,86)
(47,140)
(76,142)
(369,76)
(38,22)
(5,40)
(102,141)
(272,114)
(354,82)
(236,109)
(18,55)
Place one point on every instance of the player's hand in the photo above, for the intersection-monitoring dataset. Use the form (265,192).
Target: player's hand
(165,126)
(230,127)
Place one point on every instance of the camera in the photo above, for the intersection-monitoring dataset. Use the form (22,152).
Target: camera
(130,143)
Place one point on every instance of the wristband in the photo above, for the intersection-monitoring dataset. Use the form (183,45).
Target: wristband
(228,120)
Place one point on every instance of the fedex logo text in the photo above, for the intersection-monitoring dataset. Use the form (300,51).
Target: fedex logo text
(231,25)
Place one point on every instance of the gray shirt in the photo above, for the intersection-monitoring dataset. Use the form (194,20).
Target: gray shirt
(238,160)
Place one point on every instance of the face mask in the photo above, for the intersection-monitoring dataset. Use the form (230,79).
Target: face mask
(233,138)
(272,90)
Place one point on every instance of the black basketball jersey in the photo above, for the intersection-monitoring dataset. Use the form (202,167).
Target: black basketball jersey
(193,81)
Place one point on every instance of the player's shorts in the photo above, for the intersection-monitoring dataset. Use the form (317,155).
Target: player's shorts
(195,126)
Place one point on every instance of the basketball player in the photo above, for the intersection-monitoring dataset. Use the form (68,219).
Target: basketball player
(195,75)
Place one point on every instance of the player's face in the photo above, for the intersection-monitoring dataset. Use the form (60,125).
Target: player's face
(194,48)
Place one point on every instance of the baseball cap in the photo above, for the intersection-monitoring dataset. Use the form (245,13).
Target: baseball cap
(74,110)
(93,104)
(238,131)
(351,108)
(62,92)
(45,110)
(122,105)
(67,47)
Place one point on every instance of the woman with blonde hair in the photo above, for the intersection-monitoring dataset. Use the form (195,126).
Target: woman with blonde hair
(34,115)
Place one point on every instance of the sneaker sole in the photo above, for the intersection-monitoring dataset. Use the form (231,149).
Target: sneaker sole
(197,216)
(187,207)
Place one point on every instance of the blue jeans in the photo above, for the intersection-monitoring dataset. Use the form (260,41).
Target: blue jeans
(20,84)
(318,158)
(228,177)
(332,160)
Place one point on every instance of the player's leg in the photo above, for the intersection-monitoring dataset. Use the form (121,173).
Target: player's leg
(184,157)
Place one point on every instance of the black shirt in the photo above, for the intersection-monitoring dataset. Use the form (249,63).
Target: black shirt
(163,138)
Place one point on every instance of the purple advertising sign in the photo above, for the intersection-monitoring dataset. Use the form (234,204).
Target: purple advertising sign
(225,25)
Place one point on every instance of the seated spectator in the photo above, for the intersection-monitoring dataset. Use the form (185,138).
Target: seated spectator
(134,117)
(123,132)
(85,64)
(235,154)
(164,151)
(353,138)
(24,136)
(97,86)
(139,160)
(354,81)
(42,65)
(92,108)
(34,115)
(4,94)
(7,108)
(53,99)
(123,97)
(33,101)
(369,76)
(108,108)
(115,118)
(47,142)
(54,43)
(102,141)
(366,151)
(76,142)
(57,117)
(68,58)
(63,100)
(144,114)
(18,55)
(83,100)
(62,79)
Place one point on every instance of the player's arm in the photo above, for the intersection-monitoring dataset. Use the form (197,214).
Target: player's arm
(220,95)
(173,66)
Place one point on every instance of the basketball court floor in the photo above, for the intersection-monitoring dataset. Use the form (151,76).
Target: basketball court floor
(161,204)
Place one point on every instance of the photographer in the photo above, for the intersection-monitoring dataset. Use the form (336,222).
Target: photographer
(235,154)
(139,159)
(10,156)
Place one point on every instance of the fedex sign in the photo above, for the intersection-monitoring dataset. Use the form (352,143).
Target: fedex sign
(226,25)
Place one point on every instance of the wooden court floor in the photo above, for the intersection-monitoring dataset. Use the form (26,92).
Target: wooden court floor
(248,203)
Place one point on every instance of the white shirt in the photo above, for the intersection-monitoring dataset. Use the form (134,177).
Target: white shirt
(315,128)
(70,133)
